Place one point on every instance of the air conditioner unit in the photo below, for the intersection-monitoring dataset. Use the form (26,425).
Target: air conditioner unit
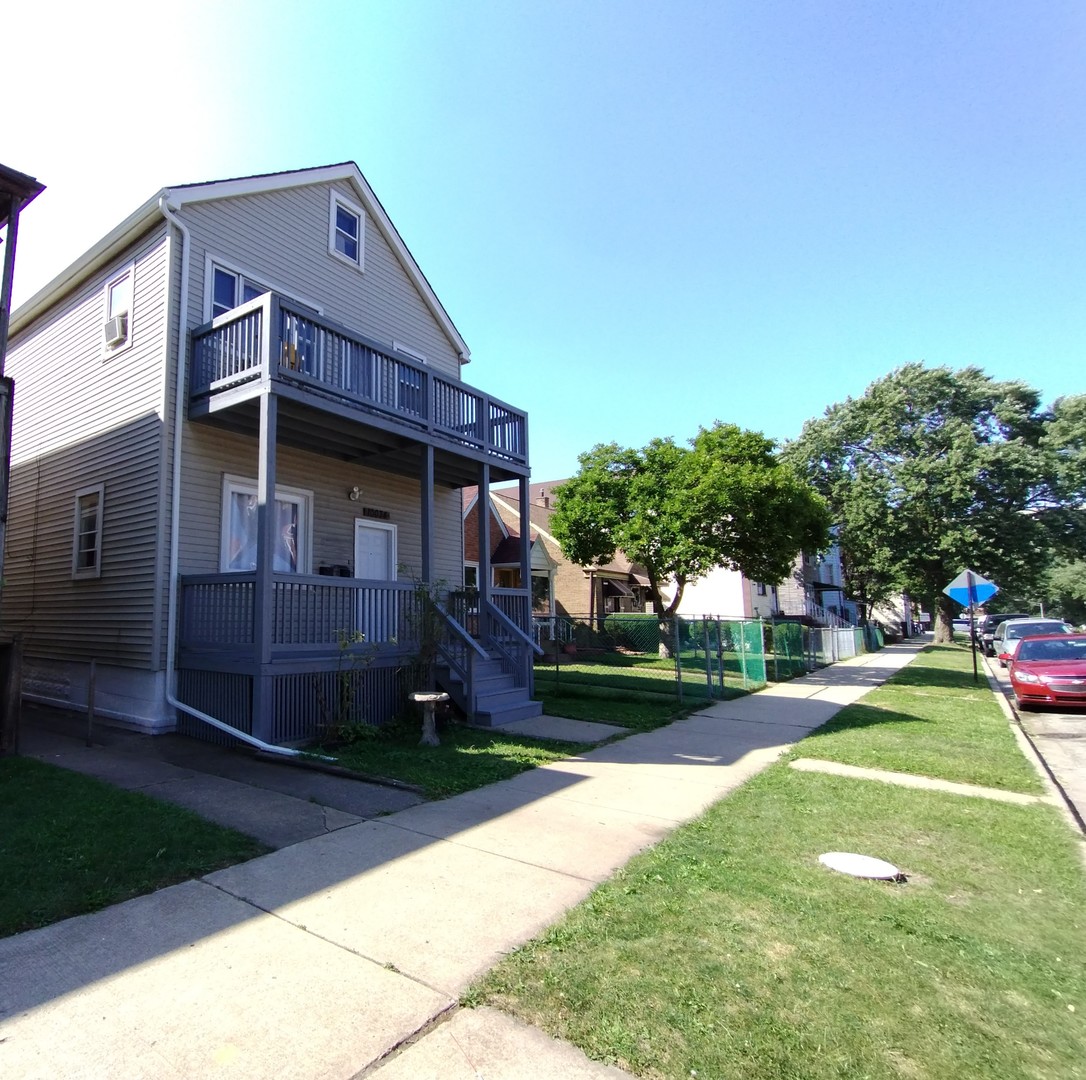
(116,330)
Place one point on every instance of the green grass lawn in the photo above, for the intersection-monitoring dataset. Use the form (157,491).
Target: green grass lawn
(728,951)
(642,674)
(467,758)
(629,709)
(71,844)
(933,720)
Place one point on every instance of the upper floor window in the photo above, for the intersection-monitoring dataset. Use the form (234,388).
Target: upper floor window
(761,588)
(346,230)
(117,326)
(229,289)
(87,538)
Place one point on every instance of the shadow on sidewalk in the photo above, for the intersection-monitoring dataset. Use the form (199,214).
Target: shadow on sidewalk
(640,776)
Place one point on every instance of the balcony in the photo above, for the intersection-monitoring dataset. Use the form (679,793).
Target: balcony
(372,400)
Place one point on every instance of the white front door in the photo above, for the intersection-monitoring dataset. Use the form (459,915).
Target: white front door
(375,560)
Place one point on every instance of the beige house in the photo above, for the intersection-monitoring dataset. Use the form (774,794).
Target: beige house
(240,437)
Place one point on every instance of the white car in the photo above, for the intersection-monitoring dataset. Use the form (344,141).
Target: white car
(1009,633)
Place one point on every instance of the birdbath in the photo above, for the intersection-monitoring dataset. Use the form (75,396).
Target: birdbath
(428,699)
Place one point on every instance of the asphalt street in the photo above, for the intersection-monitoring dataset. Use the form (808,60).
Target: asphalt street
(1059,738)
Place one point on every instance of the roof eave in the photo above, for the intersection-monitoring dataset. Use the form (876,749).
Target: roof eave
(74,275)
(179,195)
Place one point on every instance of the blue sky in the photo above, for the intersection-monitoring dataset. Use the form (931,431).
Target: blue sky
(642,217)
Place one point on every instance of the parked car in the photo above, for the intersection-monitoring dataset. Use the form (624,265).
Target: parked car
(1010,632)
(987,628)
(1050,670)
(961,626)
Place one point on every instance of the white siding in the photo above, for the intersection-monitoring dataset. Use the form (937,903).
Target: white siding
(721,593)
(281,239)
(81,419)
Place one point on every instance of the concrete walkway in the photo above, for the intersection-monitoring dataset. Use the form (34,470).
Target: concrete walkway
(323,958)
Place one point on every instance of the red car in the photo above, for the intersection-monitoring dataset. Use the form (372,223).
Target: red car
(1049,670)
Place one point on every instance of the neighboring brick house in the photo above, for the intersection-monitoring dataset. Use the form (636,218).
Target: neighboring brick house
(559,587)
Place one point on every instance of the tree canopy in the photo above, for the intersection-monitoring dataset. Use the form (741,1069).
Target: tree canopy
(726,500)
(932,471)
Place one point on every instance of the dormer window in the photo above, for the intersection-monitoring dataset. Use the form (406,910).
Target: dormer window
(346,230)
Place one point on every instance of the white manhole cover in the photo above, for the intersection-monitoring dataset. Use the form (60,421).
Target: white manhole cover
(863,866)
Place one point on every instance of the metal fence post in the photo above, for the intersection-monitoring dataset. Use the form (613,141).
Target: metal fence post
(743,651)
(708,656)
(678,658)
(720,654)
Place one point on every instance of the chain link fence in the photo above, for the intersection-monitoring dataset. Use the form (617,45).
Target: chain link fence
(684,658)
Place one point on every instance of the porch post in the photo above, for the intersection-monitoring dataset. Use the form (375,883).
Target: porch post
(484,541)
(426,483)
(526,580)
(525,551)
(264,593)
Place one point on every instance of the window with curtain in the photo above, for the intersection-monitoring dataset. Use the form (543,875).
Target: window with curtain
(239,532)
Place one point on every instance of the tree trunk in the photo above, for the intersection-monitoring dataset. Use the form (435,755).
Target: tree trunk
(663,616)
(943,627)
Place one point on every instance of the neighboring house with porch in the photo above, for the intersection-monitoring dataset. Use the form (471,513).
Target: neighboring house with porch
(815,590)
(559,587)
(238,450)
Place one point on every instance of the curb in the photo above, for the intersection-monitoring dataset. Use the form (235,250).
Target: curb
(1029,748)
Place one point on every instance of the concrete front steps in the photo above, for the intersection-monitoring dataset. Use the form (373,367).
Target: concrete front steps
(498,700)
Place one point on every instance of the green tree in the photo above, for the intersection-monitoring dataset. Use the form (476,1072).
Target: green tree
(1065,589)
(933,471)
(1063,509)
(726,500)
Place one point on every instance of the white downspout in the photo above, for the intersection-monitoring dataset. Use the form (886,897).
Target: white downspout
(175,505)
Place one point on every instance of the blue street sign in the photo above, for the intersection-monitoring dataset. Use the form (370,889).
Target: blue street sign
(970,589)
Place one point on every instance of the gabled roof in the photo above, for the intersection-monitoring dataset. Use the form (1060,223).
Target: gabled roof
(177,196)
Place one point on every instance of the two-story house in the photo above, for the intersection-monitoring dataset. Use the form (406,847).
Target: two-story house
(240,437)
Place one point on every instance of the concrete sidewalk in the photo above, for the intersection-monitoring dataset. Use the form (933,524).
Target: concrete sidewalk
(320,959)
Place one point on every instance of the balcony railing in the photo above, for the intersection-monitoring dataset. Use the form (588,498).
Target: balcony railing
(310,613)
(271,332)
(313,613)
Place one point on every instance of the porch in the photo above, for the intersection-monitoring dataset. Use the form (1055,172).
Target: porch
(279,652)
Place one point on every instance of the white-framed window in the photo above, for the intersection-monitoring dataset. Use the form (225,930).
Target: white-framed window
(87,532)
(471,575)
(117,311)
(761,588)
(346,230)
(229,288)
(293,525)
(226,286)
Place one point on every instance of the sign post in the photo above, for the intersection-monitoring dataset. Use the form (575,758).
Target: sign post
(970,589)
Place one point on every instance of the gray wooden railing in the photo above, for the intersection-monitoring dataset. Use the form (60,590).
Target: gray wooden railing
(505,639)
(310,613)
(309,350)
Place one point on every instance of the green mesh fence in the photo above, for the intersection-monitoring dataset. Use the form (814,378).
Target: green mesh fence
(685,659)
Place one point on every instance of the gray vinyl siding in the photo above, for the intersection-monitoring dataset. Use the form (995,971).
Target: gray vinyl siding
(83,419)
(210,454)
(281,239)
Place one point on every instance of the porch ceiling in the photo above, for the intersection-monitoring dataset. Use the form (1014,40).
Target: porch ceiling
(346,438)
